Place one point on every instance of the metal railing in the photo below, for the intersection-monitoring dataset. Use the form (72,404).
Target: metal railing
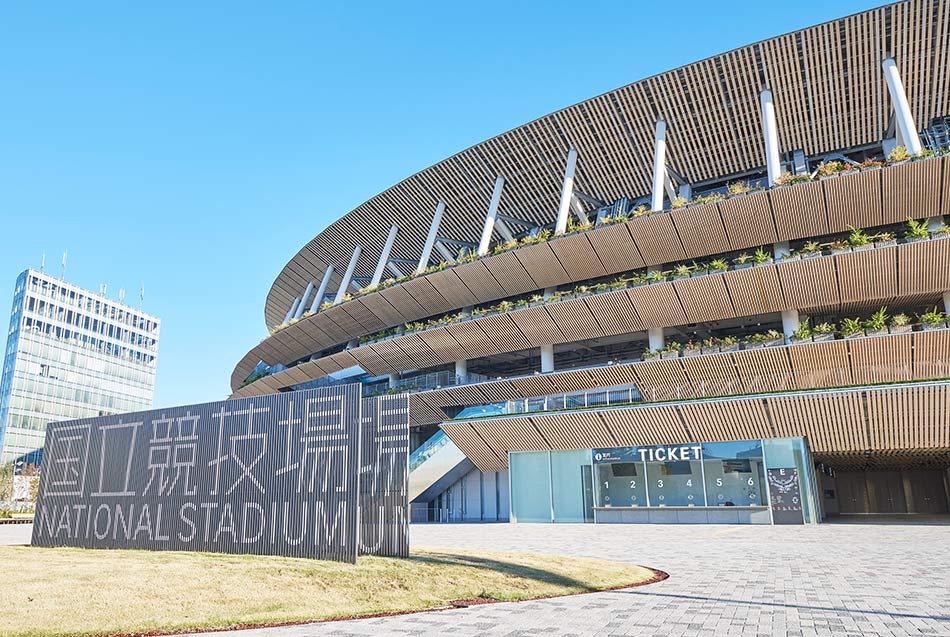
(575,400)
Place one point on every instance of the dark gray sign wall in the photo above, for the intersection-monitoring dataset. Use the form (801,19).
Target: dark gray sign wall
(285,474)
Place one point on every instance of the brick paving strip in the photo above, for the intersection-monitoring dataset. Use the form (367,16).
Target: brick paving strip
(835,579)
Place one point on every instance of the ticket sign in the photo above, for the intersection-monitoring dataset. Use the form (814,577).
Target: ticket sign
(286,474)
(661,453)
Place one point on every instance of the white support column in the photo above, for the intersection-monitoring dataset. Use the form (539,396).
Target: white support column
(430,239)
(547,358)
(490,217)
(770,132)
(904,119)
(579,209)
(946,302)
(292,310)
(384,256)
(790,322)
(322,290)
(395,270)
(567,191)
(347,276)
(655,338)
(504,230)
(303,300)
(393,379)
(659,165)
(461,371)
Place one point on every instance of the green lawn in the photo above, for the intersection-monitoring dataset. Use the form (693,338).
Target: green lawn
(65,591)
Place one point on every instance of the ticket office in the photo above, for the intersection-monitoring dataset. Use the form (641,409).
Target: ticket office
(741,482)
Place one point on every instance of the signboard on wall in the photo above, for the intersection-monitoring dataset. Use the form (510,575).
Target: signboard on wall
(285,474)
(658,453)
(786,497)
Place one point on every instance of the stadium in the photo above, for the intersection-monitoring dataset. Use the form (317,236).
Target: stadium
(718,294)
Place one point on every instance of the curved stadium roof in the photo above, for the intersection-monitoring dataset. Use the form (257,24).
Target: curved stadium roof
(829,94)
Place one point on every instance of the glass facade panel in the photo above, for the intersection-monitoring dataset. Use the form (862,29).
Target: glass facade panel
(676,483)
(70,354)
(530,486)
(571,488)
(621,484)
(735,473)
(748,482)
(791,481)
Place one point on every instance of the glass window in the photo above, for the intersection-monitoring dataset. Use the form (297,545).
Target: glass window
(621,484)
(675,483)
(735,475)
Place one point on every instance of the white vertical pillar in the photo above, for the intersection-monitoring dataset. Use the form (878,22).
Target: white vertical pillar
(946,302)
(490,217)
(904,118)
(790,322)
(430,239)
(322,290)
(659,165)
(347,276)
(770,132)
(395,270)
(579,209)
(547,358)
(384,256)
(293,309)
(567,191)
(393,379)
(655,338)
(461,371)
(303,300)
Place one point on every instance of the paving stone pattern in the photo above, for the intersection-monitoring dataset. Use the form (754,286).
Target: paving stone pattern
(889,579)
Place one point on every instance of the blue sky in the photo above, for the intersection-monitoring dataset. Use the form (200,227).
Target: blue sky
(196,147)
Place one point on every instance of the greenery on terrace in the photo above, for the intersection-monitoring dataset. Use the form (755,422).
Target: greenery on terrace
(879,322)
(576,406)
(898,155)
(856,238)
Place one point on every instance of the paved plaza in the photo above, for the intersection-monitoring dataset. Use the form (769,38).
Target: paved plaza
(836,579)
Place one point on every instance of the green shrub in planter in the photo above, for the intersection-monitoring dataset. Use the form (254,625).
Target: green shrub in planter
(729,343)
(900,324)
(824,332)
(681,271)
(761,256)
(851,327)
(858,237)
(738,188)
(899,154)
(877,322)
(917,230)
(742,260)
(803,333)
(933,319)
